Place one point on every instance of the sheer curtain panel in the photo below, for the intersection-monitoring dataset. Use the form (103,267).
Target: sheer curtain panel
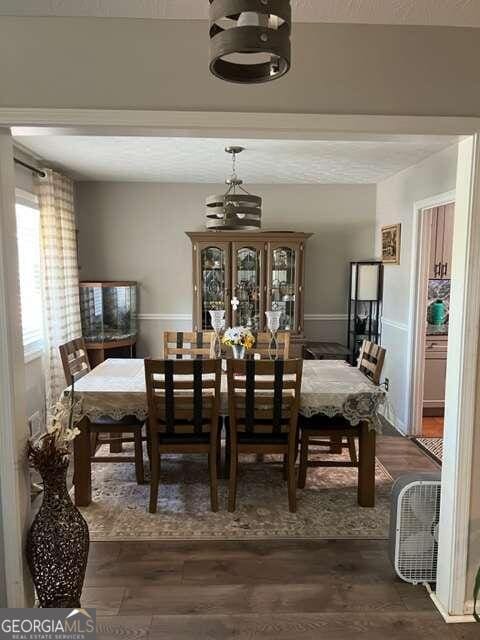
(59,268)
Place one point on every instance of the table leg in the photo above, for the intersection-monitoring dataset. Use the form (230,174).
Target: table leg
(366,466)
(83,466)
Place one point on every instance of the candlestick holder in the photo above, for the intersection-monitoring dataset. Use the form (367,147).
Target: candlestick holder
(217,318)
(273,324)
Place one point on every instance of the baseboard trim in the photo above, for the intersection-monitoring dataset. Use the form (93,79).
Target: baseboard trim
(443,612)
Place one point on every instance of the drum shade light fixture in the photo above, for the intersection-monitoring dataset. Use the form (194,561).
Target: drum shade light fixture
(234,210)
(250,39)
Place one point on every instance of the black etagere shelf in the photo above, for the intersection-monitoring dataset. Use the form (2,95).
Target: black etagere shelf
(364,305)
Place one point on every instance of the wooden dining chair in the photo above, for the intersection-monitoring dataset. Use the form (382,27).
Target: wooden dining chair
(263,402)
(263,342)
(336,429)
(183,407)
(187,345)
(76,365)
(370,361)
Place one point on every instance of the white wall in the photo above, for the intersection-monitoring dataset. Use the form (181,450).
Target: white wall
(136,231)
(395,203)
(156,64)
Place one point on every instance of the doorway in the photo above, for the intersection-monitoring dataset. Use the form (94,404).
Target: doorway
(432,261)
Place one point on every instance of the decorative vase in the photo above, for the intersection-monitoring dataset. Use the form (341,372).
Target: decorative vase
(238,351)
(438,312)
(57,543)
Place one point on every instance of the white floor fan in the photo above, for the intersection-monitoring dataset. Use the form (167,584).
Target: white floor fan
(414,522)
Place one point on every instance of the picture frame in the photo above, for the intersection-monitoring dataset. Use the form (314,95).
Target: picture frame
(391,243)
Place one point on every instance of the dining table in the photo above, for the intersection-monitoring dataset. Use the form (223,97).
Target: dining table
(116,389)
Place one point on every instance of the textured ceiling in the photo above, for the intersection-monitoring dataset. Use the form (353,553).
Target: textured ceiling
(204,160)
(426,12)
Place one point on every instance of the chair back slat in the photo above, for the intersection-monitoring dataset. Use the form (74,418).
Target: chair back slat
(183,395)
(370,360)
(264,395)
(263,345)
(183,345)
(74,360)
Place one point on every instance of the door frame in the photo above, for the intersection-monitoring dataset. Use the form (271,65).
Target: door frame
(418,306)
(464,325)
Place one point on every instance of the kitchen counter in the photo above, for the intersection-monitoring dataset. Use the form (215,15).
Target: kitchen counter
(437,330)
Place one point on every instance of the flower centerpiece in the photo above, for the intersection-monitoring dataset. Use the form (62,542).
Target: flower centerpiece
(239,338)
(58,540)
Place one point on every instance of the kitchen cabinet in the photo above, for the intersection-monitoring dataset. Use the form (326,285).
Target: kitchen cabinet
(441,241)
(262,270)
(435,375)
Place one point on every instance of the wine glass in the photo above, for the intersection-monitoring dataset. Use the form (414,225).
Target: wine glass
(217,318)
(273,324)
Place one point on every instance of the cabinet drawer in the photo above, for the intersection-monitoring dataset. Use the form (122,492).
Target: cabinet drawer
(436,347)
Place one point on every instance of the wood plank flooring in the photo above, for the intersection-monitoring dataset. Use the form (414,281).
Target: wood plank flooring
(432,427)
(278,590)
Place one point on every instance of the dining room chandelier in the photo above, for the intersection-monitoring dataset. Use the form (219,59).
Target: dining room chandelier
(250,39)
(236,209)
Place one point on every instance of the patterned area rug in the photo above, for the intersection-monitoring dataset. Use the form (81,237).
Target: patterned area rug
(327,507)
(432,446)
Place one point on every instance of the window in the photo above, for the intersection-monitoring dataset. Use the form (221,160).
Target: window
(28,241)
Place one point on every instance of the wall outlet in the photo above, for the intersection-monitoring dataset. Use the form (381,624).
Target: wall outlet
(35,424)
(387,384)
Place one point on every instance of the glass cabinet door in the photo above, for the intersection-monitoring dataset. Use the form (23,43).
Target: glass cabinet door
(248,285)
(283,285)
(214,293)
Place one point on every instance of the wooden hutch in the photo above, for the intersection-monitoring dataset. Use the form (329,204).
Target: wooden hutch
(263,270)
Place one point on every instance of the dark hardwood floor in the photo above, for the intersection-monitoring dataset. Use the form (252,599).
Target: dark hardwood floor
(279,590)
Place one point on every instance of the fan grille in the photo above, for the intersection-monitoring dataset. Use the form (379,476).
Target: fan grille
(417,520)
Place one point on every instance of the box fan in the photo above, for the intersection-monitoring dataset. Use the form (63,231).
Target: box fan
(414,527)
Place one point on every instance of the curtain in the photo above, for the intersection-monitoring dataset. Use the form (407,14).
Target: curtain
(61,307)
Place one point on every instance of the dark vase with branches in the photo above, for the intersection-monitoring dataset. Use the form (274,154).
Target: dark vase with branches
(58,540)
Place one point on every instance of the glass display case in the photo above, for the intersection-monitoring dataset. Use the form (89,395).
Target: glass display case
(247,285)
(212,286)
(247,274)
(283,286)
(108,311)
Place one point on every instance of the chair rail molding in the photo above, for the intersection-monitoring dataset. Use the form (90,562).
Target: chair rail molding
(166,317)
(394,324)
(186,317)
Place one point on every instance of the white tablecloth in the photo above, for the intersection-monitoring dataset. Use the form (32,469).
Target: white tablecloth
(116,388)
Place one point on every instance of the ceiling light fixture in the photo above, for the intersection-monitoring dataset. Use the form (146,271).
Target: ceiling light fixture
(234,211)
(250,39)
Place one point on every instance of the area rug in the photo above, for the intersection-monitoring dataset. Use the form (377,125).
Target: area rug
(327,507)
(432,446)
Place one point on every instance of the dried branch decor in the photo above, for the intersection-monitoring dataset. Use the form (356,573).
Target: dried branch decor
(58,540)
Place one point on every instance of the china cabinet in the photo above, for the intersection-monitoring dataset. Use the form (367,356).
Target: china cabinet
(247,274)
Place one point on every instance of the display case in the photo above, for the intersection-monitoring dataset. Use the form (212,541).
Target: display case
(109,319)
(256,271)
(364,305)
